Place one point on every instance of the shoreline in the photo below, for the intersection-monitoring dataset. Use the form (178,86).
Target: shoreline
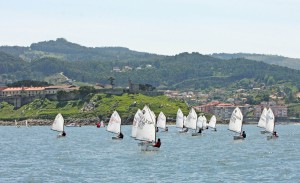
(93,121)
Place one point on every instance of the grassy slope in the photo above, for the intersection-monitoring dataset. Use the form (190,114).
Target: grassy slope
(104,106)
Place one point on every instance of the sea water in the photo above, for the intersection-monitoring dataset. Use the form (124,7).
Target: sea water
(88,154)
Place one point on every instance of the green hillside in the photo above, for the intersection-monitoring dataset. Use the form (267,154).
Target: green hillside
(100,105)
(185,71)
(293,63)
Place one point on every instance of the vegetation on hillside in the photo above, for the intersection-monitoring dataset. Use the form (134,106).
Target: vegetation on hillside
(184,71)
(100,105)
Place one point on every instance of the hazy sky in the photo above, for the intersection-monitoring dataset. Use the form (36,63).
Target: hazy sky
(157,26)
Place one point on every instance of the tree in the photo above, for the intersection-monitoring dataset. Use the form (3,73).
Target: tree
(111,79)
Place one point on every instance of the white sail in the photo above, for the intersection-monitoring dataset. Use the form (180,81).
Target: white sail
(184,120)
(204,122)
(26,123)
(58,124)
(146,130)
(200,122)
(270,122)
(179,119)
(161,120)
(16,123)
(114,124)
(263,119)
(212,122)
(102,124)
(236,120)
(191,120)
(136,119)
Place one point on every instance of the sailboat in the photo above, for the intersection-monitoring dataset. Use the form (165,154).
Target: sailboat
(146,130)
(16,124)
(236,123)
(161,121)
(58,125)
(137,117)
(212,122)
(270,124)
(102,123)
(179,119)
(204,123)
(114,125)
(263,120)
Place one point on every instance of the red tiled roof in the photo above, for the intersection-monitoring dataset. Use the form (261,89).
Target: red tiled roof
(59,86)
(13,89)
(34,88)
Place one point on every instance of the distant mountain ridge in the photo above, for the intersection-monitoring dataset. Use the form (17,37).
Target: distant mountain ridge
(64,50)
(293,63)
(95,65)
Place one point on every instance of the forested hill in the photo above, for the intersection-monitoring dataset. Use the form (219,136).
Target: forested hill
(182,71)
(293,63)
(64,50)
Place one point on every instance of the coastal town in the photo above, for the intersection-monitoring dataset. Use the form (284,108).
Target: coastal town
(201,102)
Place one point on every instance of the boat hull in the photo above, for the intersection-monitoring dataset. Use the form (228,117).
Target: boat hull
(196,134)
(117,138)
(263,132)
(271,137)
(238,138)
(148,147)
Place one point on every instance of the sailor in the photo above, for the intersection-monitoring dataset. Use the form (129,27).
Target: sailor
(63,133)
(166,129)
(156,129)
(275,134)
(244,134)
(200,130)
(157,144)
(98,125)
(120,135)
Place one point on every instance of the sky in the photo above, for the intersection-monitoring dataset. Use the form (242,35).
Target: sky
(165,27)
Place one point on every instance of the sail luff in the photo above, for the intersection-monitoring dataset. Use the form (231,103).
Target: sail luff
(135,122)
(270,122)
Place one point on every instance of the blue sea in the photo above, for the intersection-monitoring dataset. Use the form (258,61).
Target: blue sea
(88,154)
